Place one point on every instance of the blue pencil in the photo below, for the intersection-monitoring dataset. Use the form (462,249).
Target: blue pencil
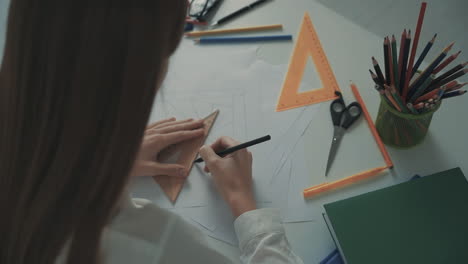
(423,55)
(219,40)
(452,94)
(427,72)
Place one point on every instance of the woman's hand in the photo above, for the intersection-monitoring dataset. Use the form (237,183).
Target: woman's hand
(232,174)
(157,137)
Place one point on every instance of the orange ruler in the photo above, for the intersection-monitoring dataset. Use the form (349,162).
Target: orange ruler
(307,44)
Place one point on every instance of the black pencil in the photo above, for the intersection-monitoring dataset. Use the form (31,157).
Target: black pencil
(387,61)
(449,72)
(238,147)
(374,77)
(378,71)
(238,12)
(452,77)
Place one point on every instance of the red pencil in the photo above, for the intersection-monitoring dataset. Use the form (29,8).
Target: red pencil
(446,62)
(422,11)
(457,87)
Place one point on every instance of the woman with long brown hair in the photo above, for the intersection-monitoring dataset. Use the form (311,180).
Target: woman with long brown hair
(77,83)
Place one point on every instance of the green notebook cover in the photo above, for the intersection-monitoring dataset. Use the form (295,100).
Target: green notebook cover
(419,221)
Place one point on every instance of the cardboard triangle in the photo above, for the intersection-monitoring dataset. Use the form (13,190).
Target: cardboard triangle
(307,44)
(184,154)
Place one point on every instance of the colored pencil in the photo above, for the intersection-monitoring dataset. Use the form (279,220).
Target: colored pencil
(400,56)
(378,71)
(413,48)
(456,87)
(394,63)
(418,106)
(445,63)
(428,71)
(405,63)
(392,100)
(387,58)
(428,95)
(449,72)
(378,87)
(423,55)
(370,123)
(412,109)
(233,30)
(451,84)
(398,100)
(452,77)
(439,94)
(238,12)
(381,91)
(226,40)
(324,187)
(374,77)
(420,90)
(239,147)
(453,94)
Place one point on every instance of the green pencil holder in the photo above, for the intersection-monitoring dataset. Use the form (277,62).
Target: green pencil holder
(402,130)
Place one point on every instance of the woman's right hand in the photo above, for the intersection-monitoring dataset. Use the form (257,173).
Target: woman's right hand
(232,174)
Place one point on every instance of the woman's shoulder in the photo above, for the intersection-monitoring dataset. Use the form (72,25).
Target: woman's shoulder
(138,234)
(143,220)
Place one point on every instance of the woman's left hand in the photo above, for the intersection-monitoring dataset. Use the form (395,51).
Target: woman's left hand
(157,137)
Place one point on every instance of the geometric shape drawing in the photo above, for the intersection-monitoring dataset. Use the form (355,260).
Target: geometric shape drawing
(307,44)
(183,153)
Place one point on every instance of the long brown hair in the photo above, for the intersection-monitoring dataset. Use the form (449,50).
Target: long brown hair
(77,83)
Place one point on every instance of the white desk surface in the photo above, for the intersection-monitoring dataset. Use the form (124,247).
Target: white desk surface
(349,48)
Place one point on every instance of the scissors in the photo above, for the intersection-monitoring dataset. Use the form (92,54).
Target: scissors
(343,117)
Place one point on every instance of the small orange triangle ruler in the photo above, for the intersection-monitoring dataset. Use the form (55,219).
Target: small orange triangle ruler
(307,44)
(184,154)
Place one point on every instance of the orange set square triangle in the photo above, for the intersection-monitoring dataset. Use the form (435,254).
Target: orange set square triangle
(307,44)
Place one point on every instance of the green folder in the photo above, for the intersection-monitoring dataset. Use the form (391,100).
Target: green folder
(420,221)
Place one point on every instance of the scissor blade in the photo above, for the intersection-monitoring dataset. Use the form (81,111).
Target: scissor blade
(337,135)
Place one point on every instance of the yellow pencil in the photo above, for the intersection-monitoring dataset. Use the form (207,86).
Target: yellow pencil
(314,190)
(233,30)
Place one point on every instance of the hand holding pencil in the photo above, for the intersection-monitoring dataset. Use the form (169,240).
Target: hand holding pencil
(232,175)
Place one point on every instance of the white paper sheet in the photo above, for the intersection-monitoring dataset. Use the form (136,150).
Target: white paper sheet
(245,90)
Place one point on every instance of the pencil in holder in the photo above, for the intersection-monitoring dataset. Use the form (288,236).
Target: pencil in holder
(402,130)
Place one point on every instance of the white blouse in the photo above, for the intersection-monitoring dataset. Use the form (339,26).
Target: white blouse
(143,233)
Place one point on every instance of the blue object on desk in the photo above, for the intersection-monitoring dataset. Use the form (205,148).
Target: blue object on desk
(333,258)
(219,40)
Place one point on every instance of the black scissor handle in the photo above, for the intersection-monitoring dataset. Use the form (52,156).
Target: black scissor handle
(352,113)
(337,107)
